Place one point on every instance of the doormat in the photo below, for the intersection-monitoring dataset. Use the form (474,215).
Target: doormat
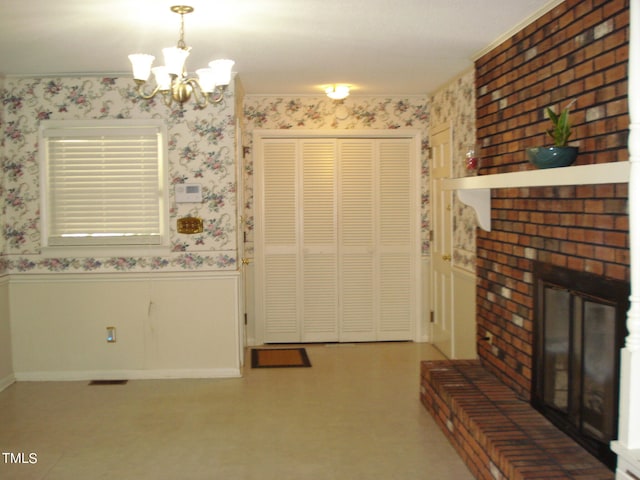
(108,382)
(279,358)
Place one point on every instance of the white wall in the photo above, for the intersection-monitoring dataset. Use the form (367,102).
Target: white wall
(464,314)
(176,314)
(168,325)
(6,364)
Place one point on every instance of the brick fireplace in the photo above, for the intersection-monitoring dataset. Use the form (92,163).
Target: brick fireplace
(579,330)
(578,50)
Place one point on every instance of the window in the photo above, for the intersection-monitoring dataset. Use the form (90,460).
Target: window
(103,183)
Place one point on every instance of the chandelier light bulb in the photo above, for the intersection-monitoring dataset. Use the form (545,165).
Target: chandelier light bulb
(163,78)
(141,64)
(174,59)
(222,70)
(207,79)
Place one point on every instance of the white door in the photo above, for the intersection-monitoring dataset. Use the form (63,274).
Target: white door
(277,289)
(377,233)
(318,240)
(357,240)
(337,239)
(442,326)
(296,254)
(243,262)
(397,265)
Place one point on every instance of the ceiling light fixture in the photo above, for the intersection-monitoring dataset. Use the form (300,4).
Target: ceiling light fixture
(172,80)
(337,92)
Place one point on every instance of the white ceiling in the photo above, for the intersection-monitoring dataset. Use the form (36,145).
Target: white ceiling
(280,46)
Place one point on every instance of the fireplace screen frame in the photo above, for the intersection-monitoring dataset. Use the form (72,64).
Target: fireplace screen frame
(581,287)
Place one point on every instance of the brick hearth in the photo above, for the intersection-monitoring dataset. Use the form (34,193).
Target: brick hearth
(498,434)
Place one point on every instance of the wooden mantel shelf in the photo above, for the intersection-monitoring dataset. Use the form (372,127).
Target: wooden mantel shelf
(476,191)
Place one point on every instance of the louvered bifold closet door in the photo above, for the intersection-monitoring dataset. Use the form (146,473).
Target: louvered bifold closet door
(337,237)
(277,261)
(357,240)
(395,240)
(319,252)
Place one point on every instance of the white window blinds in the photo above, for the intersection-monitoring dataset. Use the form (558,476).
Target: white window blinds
(103,185)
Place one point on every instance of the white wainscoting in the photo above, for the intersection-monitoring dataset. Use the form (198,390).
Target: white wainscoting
(464,314)
(464,310)
(167,326)
(6,363)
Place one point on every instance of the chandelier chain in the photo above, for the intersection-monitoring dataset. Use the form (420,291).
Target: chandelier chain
(181,43)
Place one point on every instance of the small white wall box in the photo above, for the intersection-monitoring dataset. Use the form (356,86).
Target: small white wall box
(189,193)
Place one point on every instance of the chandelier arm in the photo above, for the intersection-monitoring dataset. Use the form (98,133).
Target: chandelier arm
(142,94)
(201,101)
(167,97)
(217,95)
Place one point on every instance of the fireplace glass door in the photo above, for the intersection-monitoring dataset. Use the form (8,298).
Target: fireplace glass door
(580,328)
(579,361)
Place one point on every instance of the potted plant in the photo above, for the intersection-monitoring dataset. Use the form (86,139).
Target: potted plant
(561,154)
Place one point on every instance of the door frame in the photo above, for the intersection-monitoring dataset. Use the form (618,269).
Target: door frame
(445,127)
(259,135)
(242,262)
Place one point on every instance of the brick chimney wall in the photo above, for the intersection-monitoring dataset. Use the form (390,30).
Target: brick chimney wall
(578,50)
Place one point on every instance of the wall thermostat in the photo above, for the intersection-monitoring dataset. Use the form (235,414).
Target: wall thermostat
(189,193)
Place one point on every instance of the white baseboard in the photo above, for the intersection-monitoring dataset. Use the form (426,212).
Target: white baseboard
(6,381)
(69,376)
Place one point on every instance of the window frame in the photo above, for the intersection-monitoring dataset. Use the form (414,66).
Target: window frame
(108,246)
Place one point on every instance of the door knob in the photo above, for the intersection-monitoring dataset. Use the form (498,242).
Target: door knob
(446,258)
(246,261)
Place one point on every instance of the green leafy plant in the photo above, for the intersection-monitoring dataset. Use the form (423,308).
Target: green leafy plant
(561,130)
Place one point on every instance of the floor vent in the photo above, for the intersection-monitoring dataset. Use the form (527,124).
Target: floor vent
(108,382)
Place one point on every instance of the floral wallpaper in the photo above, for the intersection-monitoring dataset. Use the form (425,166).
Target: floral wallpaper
(322,113)
(201,145)
(455,103)
(3,263)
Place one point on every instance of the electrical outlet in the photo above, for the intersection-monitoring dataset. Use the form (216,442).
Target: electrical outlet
(488,336)
(111,334)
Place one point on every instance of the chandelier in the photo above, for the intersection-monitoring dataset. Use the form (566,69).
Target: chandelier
(172,80)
